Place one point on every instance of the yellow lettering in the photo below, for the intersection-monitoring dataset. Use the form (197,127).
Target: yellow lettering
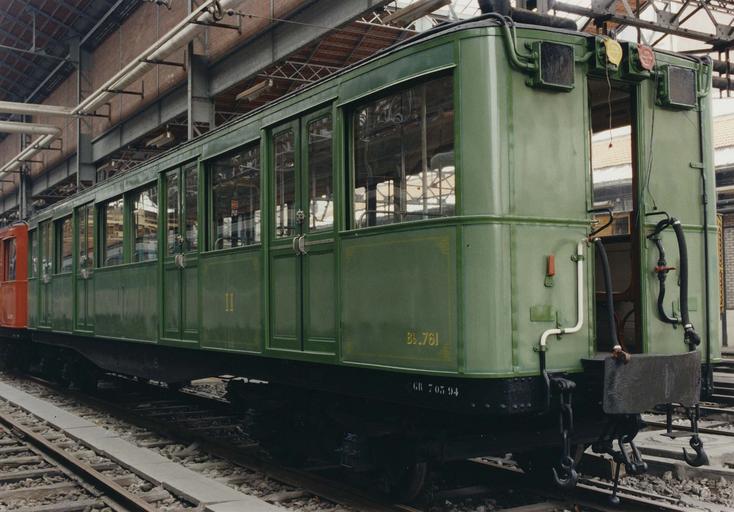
(422,338)
(229,302)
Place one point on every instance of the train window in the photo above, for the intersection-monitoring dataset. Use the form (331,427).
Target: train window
(404,155)
(64,245)
(235,184)
(145,223)
(191,202)
(33,237)
(10,259)
(113,225)
(46,254)
(320,182)
(285,183)
(86,236)
(173,238)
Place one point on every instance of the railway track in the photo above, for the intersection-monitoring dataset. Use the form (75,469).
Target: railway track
(196,430)
(42,470)
(202,420)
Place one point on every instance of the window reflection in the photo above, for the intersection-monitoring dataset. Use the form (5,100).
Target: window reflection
(285,184)
(404,155)
(145,223)
(173,238)
(33,237)
(86,237)
(64,245)
(191,198)
(235,180)
(10,259)
(113,233)
(320,182)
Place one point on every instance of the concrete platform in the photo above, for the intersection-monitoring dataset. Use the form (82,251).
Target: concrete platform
(720,449)
(215,496)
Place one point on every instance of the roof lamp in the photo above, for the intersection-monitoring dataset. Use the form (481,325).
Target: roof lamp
(677,87)
(554,66)
(646,57)
(613,51)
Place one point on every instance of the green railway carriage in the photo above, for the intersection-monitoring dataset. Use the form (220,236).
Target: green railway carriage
(408,231)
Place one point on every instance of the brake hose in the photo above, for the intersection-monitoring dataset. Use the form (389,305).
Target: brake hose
(690,335)
(662,270)
(601,251)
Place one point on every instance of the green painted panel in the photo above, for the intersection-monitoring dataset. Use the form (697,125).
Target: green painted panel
(482,185)
(399,299)
(85,304)
(46,306)
(674,184)
(190,301)
(171,302)
(541,186)
(33,302)
(320,296)
(531,245)
(232,302)
(487,316)
(284,296)
(62,312)
(140,302)
(108,299)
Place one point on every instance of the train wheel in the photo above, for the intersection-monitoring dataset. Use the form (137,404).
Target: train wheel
(405,482)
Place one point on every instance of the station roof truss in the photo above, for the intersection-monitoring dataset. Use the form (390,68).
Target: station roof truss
(708,22)
(36,38)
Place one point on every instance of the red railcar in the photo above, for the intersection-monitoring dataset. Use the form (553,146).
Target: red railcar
(14,276)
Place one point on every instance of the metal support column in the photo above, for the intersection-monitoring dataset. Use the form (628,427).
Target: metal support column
(86,171)
(199,104)
(25,204)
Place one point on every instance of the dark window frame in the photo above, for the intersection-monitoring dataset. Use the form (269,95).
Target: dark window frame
(103,230)
(33,235)
(85,233)
(352,109)
(212,239)
(130,199)
(6,259)
(59,257)
(308,167)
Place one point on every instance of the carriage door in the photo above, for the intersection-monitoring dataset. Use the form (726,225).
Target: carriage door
(302,258)
(85,268)
(181,258)
(44,317)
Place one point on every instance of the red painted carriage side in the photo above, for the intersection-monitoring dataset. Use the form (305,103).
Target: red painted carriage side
(14,276)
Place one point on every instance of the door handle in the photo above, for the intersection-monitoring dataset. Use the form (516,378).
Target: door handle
(295,245)
(180,260)
(302,244)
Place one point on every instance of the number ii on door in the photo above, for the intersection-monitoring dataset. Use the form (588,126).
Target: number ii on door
(229,302)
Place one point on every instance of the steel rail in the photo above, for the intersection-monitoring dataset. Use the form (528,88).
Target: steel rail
(79,468)
(588,492)
(328,489)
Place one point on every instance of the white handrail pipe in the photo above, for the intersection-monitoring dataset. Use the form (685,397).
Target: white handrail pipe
(579,302)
